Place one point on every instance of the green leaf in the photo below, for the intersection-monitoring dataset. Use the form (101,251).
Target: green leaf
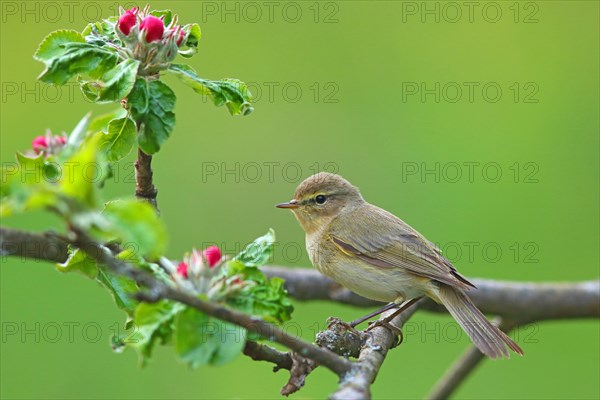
(80,262)
(151,104)
(81,171)
(136,225)
(121,289)
(78,133)
(166,14)
(201,340)
(194,35)
(114,85)
(53,45)
(26,185)
(153,322)
(119,139)
(268,297)
(100,123)
(230,92)
(259,251)
(102,32)
(78,59)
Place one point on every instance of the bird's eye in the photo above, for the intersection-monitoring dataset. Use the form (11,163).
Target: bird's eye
(320,199)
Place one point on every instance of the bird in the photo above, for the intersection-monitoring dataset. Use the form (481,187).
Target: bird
(375,254)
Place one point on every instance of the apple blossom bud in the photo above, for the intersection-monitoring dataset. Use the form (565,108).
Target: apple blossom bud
(182,269)
(39,144)
(127,21)
(153,27)
(212,255)
(180,38)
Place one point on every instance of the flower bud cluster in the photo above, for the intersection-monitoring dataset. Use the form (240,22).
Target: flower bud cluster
(48,144)
(146,38)
(200,273)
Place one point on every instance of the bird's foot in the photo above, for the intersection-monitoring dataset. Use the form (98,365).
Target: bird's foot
(385,323)
(336,324)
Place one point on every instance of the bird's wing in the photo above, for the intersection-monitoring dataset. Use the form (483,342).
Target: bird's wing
(391,243)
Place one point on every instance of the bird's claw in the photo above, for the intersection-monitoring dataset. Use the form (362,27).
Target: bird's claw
(334,323)
(397,332)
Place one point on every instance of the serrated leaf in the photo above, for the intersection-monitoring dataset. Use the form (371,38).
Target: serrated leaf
(121,289)
(119,139)
(78,59)
(201,340)
(114,85)
(80,262)
(259,251)
(136,225)
(230,92)
(151,104)
(102,32)
(53,45)
(153,322)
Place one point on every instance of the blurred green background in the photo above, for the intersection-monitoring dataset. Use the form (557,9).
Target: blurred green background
(336,86)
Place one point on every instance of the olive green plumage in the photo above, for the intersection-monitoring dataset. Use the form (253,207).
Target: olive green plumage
(377,255)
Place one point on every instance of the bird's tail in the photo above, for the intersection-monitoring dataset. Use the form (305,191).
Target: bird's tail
(489,339)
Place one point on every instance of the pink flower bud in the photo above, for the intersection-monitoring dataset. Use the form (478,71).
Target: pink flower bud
(180,39)
(61,139)
(127,21)
(182,269)
(153,27)
(212,255)
(39,143)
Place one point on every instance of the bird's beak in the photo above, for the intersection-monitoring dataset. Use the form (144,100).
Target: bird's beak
(289,204)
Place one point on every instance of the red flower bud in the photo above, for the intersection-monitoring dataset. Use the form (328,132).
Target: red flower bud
(127,21)
(182,269)
(153,27)
(62,139)
(212,255)
(39,143)
(180,39)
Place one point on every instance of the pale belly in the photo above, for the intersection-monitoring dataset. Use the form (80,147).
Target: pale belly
(372,282)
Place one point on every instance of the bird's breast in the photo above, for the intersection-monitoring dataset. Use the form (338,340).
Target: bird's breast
(364,279)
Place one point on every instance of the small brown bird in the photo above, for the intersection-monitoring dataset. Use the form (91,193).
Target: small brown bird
(378,256)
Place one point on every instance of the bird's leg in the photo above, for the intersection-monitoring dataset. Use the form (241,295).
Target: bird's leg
(386,322)
(373,314)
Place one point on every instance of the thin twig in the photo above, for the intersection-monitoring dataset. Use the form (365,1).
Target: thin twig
(262,352)
(456,374)
(144,187)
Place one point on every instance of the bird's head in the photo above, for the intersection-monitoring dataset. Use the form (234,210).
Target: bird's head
(320,198)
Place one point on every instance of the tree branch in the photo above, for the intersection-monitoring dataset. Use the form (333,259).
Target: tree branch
(262,352)
(39,246)
(519,303)
(158,290)
(144,188)
(357,383)
(522,302)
